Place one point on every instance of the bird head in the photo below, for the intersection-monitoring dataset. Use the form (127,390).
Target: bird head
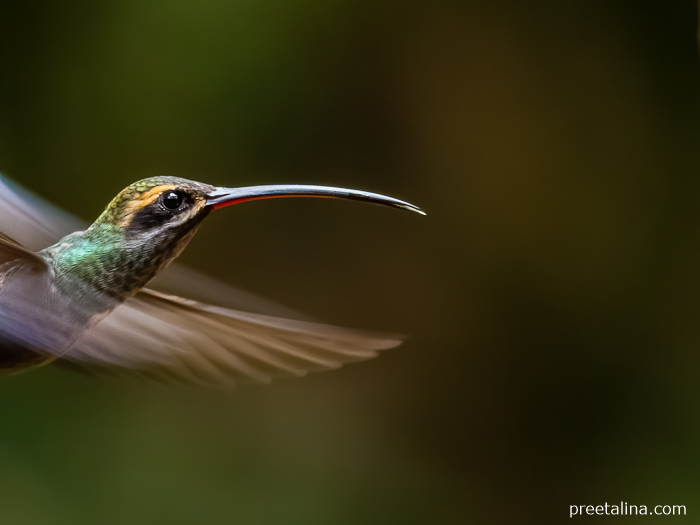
(158,208)
(149,223)
(164,207)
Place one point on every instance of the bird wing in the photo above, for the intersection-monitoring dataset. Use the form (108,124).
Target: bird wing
(11,250)
(169,338)
(30,220)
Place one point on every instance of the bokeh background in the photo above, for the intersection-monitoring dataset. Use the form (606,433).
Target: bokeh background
(552,294)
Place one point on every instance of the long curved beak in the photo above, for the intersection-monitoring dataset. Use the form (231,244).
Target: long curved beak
(221,197)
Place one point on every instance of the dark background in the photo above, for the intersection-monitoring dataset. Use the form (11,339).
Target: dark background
(552,293)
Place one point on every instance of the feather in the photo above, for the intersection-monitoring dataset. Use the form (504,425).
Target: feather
(195,342)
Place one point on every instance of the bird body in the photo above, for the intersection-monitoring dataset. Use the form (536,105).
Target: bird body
(83,299)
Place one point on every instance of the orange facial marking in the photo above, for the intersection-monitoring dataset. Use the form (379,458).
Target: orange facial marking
(151,195)
(146,198)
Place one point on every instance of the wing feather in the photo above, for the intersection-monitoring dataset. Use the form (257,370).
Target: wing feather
(172,337)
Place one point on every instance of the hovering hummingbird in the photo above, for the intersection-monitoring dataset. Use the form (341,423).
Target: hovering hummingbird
(81,298)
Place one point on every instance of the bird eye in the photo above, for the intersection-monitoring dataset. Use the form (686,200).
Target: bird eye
(172,200)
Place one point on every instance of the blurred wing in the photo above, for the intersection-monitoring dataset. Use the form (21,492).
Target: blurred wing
(30,220)
(11,250)
(170,338)
(181,280)
(27,220)
(29,318)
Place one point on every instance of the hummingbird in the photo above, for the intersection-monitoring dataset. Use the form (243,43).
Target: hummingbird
(78,296)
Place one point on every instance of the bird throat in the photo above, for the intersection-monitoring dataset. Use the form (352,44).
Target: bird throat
(107,262)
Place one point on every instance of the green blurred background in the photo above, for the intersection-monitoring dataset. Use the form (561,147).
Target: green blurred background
(552,293)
